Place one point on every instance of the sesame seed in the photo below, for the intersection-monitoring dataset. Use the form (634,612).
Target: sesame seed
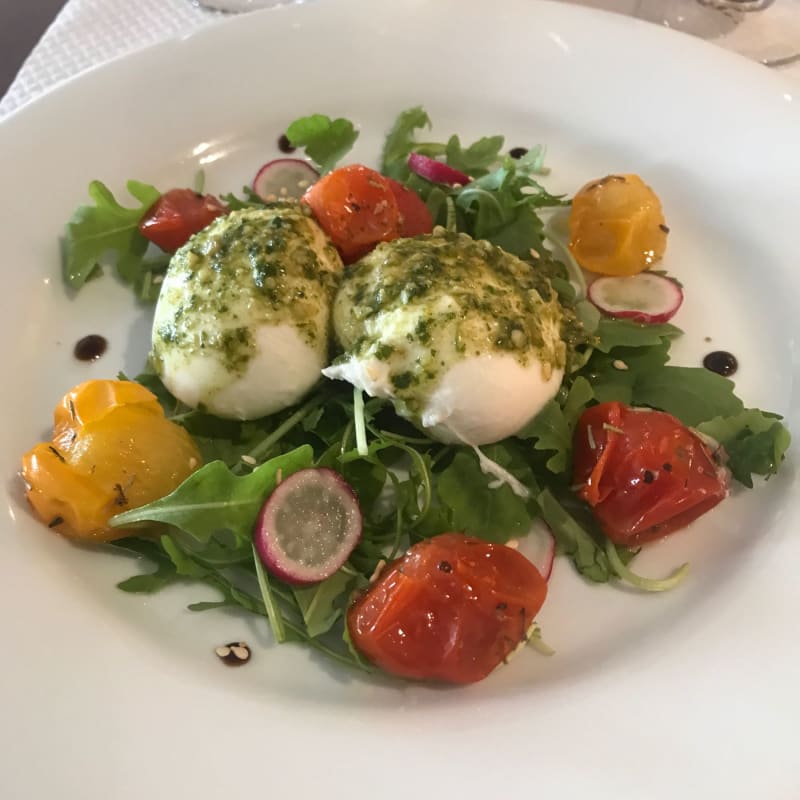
(249,460)
(617,364)
(283,191)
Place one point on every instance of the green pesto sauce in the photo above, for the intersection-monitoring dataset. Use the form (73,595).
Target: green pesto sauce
(251,266)
(457,297)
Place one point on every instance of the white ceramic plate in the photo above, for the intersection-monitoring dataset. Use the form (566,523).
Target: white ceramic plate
(690,694)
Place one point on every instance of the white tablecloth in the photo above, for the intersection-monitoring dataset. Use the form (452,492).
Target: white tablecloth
(90,32)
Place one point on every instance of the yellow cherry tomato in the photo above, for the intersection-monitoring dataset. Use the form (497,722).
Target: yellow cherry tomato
(616,226)
(112,449)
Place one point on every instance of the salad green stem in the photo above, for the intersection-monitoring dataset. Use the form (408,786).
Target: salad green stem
(360,424)
(268,442)
(328,651)
(276,621)
(640,582)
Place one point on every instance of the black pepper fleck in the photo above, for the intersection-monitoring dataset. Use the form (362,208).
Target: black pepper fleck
(445,566)
(648,476)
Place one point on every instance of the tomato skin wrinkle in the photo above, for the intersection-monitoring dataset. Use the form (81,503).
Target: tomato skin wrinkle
(643,472)
(451,609)
(178,214)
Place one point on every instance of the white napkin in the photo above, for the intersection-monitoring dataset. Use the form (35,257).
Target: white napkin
(90,32)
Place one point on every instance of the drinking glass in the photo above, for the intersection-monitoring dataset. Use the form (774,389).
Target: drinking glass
(764,30)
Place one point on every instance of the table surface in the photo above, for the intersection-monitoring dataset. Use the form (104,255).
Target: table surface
(22,23)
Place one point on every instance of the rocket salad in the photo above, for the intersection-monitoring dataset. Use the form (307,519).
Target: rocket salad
(344,509)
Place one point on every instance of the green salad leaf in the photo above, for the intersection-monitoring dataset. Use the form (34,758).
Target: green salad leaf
(755,442)
(326,141)
(104,229)
(552,428)
(493,514)
(214,499)
(321,604)
(400,143)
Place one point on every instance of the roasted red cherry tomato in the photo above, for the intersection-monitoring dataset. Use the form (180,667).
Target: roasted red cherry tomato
(356,208)
(176,215)
(643,472)
(451,609)
(415,218)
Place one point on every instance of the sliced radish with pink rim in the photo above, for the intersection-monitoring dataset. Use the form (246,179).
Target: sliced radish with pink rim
(308,526)
(435,171)
(645,297)
(284,178)
(539,547)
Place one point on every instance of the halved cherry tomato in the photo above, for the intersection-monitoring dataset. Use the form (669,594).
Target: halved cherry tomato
(356,208)
(643,472)
(451,609)
(176,215)
(415,218)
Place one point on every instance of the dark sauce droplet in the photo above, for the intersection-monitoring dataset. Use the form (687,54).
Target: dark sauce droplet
(722,362)
(517,152)
(90,348)
(284,145)
(233,654)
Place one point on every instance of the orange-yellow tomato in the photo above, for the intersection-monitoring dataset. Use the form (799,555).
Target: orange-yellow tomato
(616,226)
(112,449)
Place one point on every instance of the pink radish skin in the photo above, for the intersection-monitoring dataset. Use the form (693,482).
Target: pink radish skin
(646,297)
(284,178)
(308,526)
(435,171)
(539,547)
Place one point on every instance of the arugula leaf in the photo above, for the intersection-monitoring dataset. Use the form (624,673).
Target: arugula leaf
(214,499)
(493,514)
(95,231)
(692,394)
(755,441)
(553,426)
(478,158)
(614,375)
(325,140)
(249,199)
(400,142)
(185,565)
(624,333)
(318,603)
(573,540)
(150,582)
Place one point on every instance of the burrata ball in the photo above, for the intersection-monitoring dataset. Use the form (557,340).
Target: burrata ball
(242,323)
(464,338)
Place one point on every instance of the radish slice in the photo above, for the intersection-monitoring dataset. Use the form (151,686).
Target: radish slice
(539,547)
(645,297)
(308,526)
(435,171)
(284,178)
